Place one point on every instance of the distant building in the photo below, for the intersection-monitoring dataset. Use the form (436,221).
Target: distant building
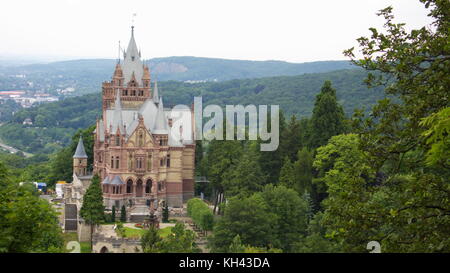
(27,121)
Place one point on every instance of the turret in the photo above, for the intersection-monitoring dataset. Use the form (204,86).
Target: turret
(80,159)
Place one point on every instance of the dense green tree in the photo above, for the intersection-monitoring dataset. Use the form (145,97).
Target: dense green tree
(165,214)
(245,176)
(271,162)
(150,240)
(113,214)
(328,117)
(27,222)
(181,240)
(92,210)
(398,136)
(291,215)
(287,175)
(123,214)
(316,240)
(290,139)
(221,156)
(303,171)
(247,217)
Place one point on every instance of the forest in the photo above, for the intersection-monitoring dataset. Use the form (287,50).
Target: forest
(55,123)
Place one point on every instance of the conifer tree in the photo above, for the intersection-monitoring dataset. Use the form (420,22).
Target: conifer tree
(287,173)
(92,209)
(113,214)
(123,214)
(328,117)
(165,214)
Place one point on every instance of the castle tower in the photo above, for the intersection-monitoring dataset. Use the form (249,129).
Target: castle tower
(80,159)
(131,79)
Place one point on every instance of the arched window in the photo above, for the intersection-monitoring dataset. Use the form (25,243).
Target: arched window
(148,186)
(117,140)
(168,160)
(112,162)
(129,186)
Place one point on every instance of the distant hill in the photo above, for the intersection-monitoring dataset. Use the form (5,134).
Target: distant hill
(54,123)
(86,75)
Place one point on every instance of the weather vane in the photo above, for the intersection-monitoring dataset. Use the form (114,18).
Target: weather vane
(132,19)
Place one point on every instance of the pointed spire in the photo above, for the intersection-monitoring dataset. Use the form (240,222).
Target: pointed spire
(155,92)
(132,60)
(161,126)
(80,152)
(117,118)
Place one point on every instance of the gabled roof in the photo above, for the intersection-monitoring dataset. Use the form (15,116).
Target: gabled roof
(116,181)
(106,180)
(80,152)
(132,62)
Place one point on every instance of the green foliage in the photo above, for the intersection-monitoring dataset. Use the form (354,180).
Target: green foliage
(247,217)
(123,214)
(113,214)
(58,121)
(245,176)
(180,240)
(150,240)
(438,137)
(27,222)
(328,117)
(273,218)
(92,209)
(291,215)
(165,214)
(53,124)
(200,213)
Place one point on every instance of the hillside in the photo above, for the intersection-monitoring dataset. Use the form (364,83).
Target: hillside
(87,75)
(54,123)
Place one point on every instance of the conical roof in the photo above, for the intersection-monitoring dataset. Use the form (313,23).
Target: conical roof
(155,92)
(132,62)
(161,126)
(80,152)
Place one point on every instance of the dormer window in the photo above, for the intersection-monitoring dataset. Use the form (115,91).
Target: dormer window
(132,58)
(117,140)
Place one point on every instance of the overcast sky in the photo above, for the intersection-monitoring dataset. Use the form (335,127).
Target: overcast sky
(295,31)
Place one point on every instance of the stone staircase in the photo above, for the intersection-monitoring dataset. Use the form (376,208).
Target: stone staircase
(139,210)
(70,217)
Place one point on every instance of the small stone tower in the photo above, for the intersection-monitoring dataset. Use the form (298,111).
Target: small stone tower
(80,159)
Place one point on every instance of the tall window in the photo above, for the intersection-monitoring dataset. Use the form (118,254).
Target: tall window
(117,140)
(149,162)
(117,162)
(148,186)
(112,162)
(139,163)
(168,160)
(129,186)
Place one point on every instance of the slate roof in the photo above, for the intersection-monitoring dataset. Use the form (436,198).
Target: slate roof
(80,152)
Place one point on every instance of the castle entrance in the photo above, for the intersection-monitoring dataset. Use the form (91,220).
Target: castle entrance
(139,188)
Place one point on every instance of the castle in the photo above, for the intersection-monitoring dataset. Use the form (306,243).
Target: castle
(144,154)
